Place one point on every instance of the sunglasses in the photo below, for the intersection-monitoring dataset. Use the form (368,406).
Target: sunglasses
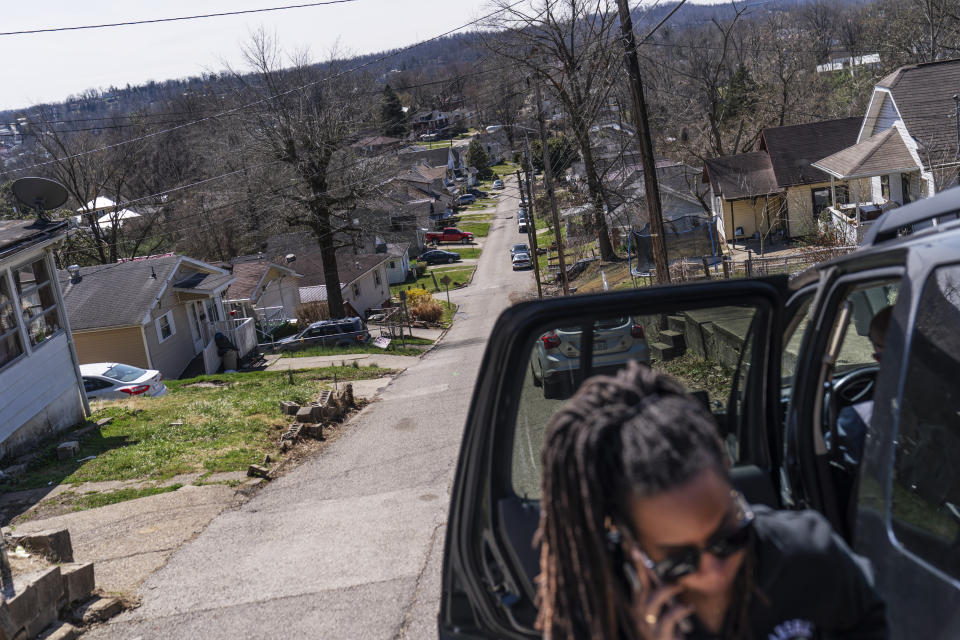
(726,541)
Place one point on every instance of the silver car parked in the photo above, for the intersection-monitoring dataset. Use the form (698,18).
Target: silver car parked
(116,381)
(555,361)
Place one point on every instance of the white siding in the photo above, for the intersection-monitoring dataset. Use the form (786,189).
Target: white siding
(398,273)
(287,289)
(887,116)
(371,295)
(39,392)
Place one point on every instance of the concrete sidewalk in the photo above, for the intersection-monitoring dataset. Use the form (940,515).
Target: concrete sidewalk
(363,359)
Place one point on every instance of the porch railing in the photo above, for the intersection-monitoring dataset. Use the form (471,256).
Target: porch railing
(241,332)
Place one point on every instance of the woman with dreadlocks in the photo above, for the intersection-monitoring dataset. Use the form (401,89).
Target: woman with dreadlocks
(644,537)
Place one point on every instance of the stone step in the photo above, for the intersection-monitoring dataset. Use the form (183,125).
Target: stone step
(663,352)
(674,339)
(676,323)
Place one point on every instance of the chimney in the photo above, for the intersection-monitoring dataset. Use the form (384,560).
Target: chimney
(74,271)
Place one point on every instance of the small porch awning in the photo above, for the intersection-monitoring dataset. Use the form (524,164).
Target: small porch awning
(202,285)
(878,155)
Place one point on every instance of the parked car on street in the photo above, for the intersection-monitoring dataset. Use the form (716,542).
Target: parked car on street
(520,247)
(449,234)
(521,225)
(467,198)
(778,361)
(555,362)
(477,192)
(439,256)
(498,184)
(521,261)
(343,332)
(116,381)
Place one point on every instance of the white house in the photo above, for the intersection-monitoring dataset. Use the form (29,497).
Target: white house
(906,148)
(398,265)
(363,280)
(41,390)
(264,290)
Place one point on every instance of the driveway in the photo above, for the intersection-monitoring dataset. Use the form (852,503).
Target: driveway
(350,544)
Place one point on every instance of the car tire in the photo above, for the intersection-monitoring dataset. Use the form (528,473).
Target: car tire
(537,382)
(450,260)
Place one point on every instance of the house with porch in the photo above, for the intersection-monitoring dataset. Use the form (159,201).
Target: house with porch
(263,290)
(907,148)
(776,192)
(157,313)
(41,390)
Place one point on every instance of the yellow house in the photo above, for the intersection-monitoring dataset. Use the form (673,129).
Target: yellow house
(775,192)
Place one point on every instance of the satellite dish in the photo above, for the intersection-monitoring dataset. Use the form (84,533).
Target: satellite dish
(40,194)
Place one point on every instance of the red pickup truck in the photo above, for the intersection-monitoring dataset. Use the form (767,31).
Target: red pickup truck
(450,234)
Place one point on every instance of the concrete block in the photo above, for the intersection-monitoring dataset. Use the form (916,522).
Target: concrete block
(38,600)
(308,414)
(102,422)
(67,450)
(289,408)
(99,610)
(78,580)
(60,631)
(312,431)
(256,471)
(52,543)
(663,352)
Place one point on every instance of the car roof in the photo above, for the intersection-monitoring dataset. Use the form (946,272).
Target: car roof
(96,368)
(321,323)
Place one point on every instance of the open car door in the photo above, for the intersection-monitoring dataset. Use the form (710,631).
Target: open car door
(721,339)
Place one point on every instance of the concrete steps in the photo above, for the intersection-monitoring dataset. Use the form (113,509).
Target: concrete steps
(670,344)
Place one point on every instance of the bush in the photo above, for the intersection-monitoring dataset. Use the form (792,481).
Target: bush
(427,310)
(418,296)
(310,312)
(419,269)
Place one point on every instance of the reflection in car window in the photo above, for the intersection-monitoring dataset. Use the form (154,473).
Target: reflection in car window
(699,347)
(926,487)
(124,373)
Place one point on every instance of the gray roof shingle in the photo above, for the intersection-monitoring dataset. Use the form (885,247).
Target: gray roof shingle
(923,94)
(744,175)
(794,148)
(883,153)
(115,295)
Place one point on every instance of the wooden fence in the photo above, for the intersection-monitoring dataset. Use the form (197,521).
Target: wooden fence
(752,267)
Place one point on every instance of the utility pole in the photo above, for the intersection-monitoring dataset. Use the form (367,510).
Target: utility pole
(531,225)
(548,182)
(956,118)
(646,144)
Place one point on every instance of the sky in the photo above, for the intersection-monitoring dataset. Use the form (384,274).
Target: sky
(49,67)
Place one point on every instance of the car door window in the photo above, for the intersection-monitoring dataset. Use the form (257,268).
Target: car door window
(925,503)
(701,348)
(94,384)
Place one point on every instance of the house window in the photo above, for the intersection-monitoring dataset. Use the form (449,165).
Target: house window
(376,277)
(905,187)
(165,327)
(392,264)
(823,198)
(356,290)
(10,345)
(38,301)
(885,187)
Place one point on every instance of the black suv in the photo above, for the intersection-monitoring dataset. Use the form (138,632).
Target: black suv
(344,332)
(779,361)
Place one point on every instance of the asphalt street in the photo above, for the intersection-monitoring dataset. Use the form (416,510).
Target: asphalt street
(350,544)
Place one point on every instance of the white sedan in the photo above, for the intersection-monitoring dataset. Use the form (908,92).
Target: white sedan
(521,261)
(115,381)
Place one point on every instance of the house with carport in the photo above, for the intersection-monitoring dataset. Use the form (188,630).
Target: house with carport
(264,290)
(160,313)
(41,390)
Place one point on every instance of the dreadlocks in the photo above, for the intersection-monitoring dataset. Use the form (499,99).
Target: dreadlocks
(637,434)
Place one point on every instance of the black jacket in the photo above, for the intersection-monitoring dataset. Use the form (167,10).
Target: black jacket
(810,584)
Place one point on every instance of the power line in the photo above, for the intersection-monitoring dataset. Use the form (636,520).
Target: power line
(177,19)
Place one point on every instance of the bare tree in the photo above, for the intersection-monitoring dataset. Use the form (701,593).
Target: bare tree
(305,122)
(571,45)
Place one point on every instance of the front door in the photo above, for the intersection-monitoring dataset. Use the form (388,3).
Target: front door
(721,339)
(196,328)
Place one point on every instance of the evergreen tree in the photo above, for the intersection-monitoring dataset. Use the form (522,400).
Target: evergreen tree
(391,113)
(477,157)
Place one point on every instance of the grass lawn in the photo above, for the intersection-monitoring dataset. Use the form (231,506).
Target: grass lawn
(459,275)
(205,424)
(505,169)
(475,217)
(395,349)
(448,311)
(479,229)
(469,253)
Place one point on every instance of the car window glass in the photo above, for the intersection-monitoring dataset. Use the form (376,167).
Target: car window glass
(925,504)
(700,348)
(124,373)
(94,384)
(792,338)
